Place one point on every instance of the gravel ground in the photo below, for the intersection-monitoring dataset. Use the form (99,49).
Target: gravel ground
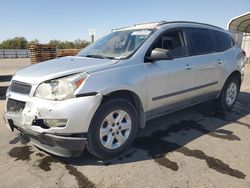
(195,147)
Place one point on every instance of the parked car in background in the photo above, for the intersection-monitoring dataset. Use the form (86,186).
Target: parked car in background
(101,97)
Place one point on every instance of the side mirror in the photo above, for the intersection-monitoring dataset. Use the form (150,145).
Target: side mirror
(159,54)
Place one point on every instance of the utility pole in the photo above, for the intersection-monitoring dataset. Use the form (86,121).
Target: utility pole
(92,34)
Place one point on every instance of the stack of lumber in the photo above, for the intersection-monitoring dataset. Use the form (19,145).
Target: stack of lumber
(67,52)
(41,52)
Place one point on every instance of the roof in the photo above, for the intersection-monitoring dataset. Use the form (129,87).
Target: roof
(240,23)
(152,25)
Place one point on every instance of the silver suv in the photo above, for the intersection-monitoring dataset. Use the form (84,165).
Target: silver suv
(100,97)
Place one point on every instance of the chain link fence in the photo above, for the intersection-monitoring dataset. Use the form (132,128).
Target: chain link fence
(10,54)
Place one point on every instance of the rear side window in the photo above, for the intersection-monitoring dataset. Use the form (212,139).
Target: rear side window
(222,41)
(201,41)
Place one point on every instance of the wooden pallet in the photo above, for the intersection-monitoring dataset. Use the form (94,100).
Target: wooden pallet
(41,52)
(67,52)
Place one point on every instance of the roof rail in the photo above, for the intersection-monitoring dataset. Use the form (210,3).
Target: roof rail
(144,23)
(141,24)
(159,23)
(191,23)
(116,29)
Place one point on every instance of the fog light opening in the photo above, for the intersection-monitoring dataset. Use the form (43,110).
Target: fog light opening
(55,122)
(49,123)
(40,123)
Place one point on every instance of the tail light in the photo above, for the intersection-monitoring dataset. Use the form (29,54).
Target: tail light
(244,53)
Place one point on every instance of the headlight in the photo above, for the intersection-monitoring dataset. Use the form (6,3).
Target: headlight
(62,88)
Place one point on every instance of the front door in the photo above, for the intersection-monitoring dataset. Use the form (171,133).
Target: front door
(169,81)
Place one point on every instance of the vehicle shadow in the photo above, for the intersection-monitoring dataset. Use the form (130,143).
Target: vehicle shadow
(173,131)
(5,78)
(3,89)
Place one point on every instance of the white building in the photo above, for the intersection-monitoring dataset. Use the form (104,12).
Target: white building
(240,29)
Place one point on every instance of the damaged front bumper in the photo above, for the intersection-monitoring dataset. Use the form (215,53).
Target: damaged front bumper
(66,141)
(61,145)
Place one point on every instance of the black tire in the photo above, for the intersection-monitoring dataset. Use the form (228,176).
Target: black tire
(222,103)
(95,145)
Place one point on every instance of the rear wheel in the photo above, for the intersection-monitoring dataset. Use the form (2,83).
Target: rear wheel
(113,128)
(229,94)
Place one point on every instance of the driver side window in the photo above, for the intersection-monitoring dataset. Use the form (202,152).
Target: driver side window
(173,42)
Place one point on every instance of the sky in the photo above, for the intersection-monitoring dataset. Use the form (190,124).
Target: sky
(47,20)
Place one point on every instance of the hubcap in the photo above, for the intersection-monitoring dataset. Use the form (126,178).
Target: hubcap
(231,94)
(115,129)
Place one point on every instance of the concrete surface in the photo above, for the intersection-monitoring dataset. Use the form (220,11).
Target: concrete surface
(195,147)
(10,66)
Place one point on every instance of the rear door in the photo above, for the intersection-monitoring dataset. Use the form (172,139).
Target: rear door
(208,64)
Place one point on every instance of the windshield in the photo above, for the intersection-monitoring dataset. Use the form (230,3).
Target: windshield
(116,45)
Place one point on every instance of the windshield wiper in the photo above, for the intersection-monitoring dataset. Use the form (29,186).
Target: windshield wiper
(99,56)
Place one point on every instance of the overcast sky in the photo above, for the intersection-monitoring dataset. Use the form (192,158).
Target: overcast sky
(71,19)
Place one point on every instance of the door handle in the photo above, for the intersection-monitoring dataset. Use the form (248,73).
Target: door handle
(189,66)
(219,62)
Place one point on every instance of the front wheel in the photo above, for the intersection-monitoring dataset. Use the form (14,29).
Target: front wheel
(229,94)
(113,128)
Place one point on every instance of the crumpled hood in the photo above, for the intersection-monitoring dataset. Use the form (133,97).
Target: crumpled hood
(47,70)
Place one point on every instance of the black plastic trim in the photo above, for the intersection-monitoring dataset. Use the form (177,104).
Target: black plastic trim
(65,146)
(183,91)
(86,94)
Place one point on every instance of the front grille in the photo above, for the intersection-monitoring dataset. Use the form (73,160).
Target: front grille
(15,106)
(20,87)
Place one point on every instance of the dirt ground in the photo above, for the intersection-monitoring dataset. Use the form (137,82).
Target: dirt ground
(195,147)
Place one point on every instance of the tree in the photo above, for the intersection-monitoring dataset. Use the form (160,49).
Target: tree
(68,44)
(35,41)
(14,43)
(22,43)
(81,43)
(55,43)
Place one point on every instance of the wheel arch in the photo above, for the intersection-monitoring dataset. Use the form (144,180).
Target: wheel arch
(131,97)
(236,74)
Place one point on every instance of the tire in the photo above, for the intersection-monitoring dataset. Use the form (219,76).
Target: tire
(109,133)
(229,94)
